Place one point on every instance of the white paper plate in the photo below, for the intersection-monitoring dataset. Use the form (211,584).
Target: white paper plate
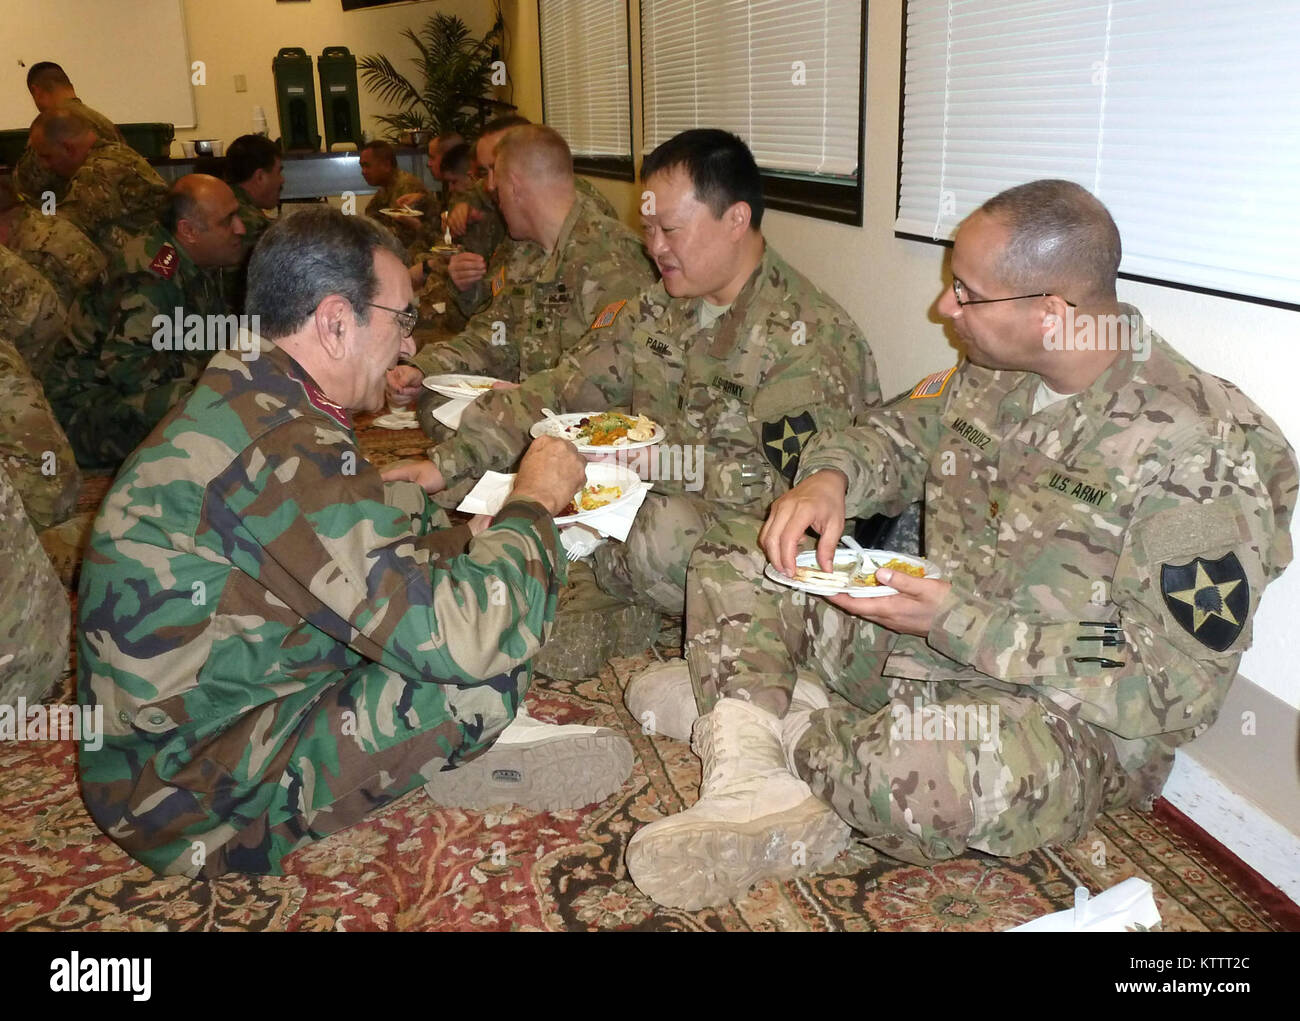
(847,556)
(566,427)
(402,213)
(397,420)
(456,384)
(606,475)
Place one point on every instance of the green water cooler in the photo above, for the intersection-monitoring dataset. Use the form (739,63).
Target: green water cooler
(295,98)
(338,96)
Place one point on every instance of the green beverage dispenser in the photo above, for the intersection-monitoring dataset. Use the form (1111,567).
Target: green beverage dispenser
(338,96)
(295,99)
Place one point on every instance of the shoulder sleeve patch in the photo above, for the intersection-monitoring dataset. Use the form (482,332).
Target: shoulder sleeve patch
(932,386)
(608,314)
(165,262)
(499,281)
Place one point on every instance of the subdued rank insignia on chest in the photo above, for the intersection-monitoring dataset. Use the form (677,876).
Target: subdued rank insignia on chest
(932,386)
(165,262)
(498,281)
(608,314)
(784,440)
(1210,599)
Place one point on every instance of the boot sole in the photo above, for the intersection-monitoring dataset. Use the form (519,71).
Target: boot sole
(546,776)
(700,865)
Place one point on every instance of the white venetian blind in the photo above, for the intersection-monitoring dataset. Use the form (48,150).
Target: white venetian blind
(784,75)
(1183,116)
(585,74)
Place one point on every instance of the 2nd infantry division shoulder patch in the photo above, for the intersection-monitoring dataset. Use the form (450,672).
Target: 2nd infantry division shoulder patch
(784,440)
(932,386)
(608,314)
(1210,599)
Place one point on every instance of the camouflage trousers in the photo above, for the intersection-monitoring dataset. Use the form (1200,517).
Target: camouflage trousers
(650,567)
(366,740)
(104,426)
(925,769)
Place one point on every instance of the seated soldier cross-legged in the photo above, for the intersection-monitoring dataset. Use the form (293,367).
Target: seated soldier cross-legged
(1104,518)
(284,640)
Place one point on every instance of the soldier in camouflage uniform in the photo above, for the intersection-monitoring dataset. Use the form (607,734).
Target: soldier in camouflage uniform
(34,612)
(127,358)
(568,261)
(30,312)
(304,640)
(379,168)
(51,89)
(113,194)
(255,172)
(1105,520)
(60,251)
(738,357)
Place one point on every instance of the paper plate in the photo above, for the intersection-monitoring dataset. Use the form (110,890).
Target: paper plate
(847,556)
(401,213)
(566,427)
(456,384)
(606,475)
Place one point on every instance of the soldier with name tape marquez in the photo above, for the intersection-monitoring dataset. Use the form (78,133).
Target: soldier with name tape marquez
(136,343)
(734,353)
(282,639)
(1104,519)
(567,261)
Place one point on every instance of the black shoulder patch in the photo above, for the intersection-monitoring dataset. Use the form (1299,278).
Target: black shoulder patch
(784,440)
(1210,599)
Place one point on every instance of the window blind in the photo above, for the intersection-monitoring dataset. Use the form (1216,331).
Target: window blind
(784,75)
(585,91)
(1183,116)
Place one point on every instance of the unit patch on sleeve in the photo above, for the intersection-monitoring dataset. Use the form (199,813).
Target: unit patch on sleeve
(608,314)
(499,281)
(784,440)
(932,386)
(1210,599)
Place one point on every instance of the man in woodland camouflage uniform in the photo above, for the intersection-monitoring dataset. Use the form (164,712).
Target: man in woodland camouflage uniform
(113,194)
(1105,517)
(128,359)
(255,172)
(282,639)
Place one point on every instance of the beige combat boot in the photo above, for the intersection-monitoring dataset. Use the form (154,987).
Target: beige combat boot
(662,701)
(754,819)
(543,767)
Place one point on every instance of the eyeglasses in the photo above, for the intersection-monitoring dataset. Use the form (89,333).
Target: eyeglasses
(959,292)
(406,317)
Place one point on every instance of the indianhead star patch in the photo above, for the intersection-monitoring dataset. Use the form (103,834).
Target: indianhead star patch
(1210,599)
(783,442)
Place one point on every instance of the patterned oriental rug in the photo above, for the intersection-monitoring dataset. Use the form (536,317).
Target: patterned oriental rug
(413,866)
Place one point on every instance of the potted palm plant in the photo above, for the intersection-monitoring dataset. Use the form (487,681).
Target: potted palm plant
(454,69)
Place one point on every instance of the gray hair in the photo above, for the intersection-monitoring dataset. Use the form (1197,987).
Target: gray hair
(307,256)
(1063,241)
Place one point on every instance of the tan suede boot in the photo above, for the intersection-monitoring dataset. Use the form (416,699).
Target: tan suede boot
(662,701)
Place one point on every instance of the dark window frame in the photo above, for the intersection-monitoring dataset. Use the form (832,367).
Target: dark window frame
(616,168)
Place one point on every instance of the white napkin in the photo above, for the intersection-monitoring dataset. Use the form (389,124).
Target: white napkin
(449,414)
(1127,904)
(489,495)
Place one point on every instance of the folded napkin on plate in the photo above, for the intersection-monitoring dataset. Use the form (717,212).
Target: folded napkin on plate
(1122,908)
(449,414)
(489,495)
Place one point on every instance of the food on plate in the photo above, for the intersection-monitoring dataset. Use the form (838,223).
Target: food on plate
(591,497)
(847,576)
(610,429)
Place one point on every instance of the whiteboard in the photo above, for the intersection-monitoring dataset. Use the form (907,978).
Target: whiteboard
(128,59)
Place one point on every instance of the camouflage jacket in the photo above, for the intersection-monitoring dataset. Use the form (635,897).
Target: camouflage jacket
(33,450)
(32,180)
(115,359)
(113,196)
(267,561)
(30,313)
(746,392)
(60,251)
(543,305)
(34,614)
(255,223)
(1157,502)
(489,238)
(403,183)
